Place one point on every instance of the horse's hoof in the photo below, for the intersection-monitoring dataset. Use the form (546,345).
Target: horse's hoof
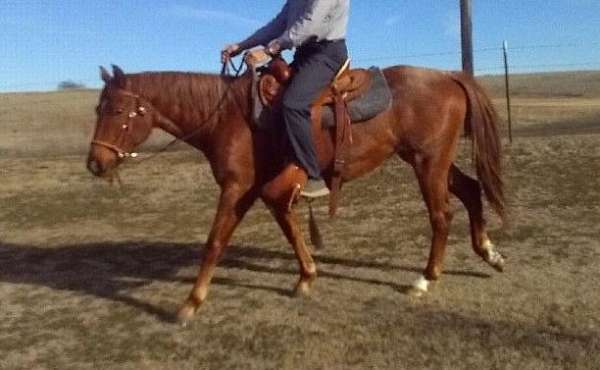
(419,288)
(493,257)
(186,313)
(303,288)
(496,260)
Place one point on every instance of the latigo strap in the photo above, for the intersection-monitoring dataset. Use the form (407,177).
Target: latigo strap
(343,139)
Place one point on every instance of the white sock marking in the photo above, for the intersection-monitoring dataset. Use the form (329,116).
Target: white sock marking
(421,284)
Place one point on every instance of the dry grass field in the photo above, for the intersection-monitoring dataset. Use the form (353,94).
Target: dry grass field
(90,275)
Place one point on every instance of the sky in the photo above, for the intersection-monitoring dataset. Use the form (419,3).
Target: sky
(44,42)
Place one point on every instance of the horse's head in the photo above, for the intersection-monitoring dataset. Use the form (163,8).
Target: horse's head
(124,121)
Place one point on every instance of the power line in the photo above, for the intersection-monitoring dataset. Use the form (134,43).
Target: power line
(552,46)
(518,48)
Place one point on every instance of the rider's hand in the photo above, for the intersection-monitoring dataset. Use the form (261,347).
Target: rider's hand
(229,51)
(274,48)
(257,57)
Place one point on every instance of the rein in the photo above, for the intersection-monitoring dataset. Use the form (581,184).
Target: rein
(225,71)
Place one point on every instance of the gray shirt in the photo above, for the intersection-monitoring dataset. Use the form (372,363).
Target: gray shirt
(301,21)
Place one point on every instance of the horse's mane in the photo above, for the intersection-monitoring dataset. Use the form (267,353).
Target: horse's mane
(191,97)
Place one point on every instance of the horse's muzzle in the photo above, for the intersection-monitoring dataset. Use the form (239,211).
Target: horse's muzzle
(101,160)
(94,167)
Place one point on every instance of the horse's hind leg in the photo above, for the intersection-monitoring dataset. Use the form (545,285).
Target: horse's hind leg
(288,221)
(468,191)
(432,176)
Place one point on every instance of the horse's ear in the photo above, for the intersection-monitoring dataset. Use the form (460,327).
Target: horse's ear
(119,76)
(104,75)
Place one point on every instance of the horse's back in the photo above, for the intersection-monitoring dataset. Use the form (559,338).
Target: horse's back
(419,81)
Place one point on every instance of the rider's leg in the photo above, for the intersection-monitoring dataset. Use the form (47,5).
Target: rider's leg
(315,66)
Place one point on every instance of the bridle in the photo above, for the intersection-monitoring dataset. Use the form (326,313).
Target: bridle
(142,110)
(120,152)
(126,128)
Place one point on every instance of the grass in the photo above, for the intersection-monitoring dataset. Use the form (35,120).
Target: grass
(577,84)
(90,275)
(95,284)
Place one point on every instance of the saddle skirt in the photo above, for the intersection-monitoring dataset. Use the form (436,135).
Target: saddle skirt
(365,91)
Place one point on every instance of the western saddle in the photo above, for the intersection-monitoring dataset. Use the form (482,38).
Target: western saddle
(347,85)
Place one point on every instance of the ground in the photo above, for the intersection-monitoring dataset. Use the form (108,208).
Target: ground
(91,275)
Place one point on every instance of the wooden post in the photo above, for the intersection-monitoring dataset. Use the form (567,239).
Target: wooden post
(507,87)
(466,26)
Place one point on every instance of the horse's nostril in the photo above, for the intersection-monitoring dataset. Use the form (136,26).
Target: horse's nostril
(93,167)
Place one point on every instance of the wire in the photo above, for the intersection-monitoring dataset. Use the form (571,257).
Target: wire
(517,48)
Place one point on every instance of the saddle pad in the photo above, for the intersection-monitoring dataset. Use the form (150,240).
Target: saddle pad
(376,100)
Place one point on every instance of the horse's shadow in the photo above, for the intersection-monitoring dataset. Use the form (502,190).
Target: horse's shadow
(111,270)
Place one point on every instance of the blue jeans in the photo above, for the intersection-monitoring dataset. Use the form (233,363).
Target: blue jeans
(315,65)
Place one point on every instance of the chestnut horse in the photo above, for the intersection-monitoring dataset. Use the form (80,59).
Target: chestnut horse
(423,126)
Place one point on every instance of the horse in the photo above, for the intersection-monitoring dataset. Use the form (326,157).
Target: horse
(430,112)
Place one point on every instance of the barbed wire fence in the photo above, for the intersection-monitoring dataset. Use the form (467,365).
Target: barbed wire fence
(417,59)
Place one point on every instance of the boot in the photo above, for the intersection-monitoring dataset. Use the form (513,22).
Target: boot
(284,190)
(315,189)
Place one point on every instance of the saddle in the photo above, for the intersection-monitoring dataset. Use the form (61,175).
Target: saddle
(349,84)
(331,105)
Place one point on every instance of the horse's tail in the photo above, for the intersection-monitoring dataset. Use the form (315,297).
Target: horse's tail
(481,125)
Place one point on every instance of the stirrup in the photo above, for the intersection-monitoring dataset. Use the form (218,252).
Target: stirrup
(321,191)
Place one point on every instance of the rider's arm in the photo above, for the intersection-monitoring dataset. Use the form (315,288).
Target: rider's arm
(317,22)
(269,32)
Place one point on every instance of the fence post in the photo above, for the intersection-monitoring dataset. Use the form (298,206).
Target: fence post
(507,87)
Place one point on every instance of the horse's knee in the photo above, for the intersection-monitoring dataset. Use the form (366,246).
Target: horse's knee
(440,220)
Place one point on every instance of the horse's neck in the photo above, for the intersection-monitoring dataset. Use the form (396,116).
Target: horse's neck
(191,106)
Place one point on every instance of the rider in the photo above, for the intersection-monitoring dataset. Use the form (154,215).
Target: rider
(317,29)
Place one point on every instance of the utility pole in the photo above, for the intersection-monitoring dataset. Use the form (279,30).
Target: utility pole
(466,26)
(507,86)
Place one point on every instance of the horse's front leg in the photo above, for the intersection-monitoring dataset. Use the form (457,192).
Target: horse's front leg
(233,205)
(288,221)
